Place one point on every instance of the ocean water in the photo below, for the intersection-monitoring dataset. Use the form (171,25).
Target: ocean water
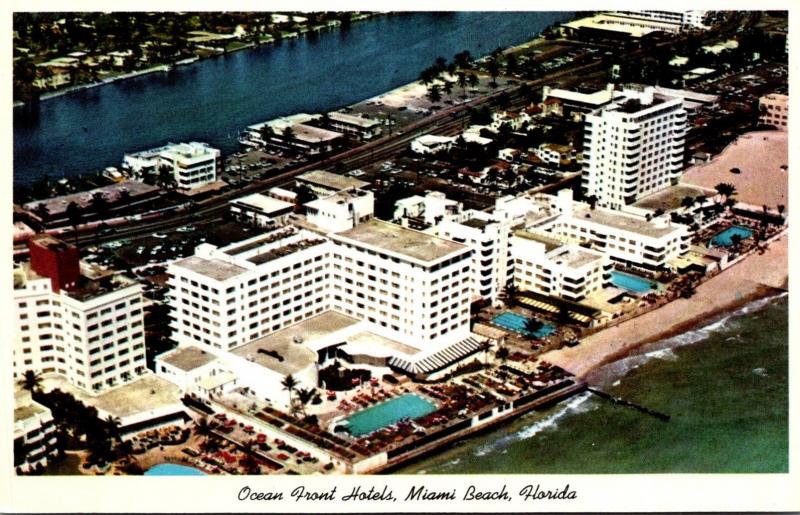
(724,384)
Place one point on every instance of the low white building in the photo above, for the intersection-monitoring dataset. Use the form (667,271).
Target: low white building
(323,183)
(342,210)
(192,164)
(625,238)
(364,128)
(548,266)
(431,144)
(83,324)
(420,212)
(34,433)
(261,210)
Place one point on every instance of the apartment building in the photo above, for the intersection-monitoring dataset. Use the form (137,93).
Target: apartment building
(192,164)
(84,324)
(408,285)
(225,297)
(34,433)
(685,19)
(774,110)
(625,238)
(548,266)
(633,147)
(488,238)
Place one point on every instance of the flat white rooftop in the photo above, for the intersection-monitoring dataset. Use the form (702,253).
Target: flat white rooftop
(286,351)
(331,180)
(212,268)
(400,240)
(263,203)
(366,123)
(624,222)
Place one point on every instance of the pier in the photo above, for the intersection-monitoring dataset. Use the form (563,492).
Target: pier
(628,404)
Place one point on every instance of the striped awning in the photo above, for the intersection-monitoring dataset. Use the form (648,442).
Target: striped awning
(538,304)
(440,359)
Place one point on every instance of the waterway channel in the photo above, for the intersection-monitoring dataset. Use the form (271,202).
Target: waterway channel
(213,99)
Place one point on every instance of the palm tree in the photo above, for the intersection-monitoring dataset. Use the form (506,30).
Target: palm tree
(687,202)
(289,383)
(473,80)
(204,428)
(486,346)
(725,190)
(266,133)
(288,133)
(533,326)
(509,293)
(304,396)
(434,93)
(100,206)
(461,79)
(75,217)
(736,241)
(112,426)
(493,67)
(781,209)
(165,178)
(31,381)
(502,354)
(447,87)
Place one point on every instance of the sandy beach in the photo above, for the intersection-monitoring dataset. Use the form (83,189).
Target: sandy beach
(757,276)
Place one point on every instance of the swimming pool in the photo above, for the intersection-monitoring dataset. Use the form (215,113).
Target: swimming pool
(631,282)
(515,322)
(171,469)
(387,413)
(723,239)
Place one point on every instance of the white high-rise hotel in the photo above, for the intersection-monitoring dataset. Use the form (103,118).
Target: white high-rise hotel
(633,147)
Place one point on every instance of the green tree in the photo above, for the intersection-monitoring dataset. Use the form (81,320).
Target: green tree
(493,67)
(473,81)
(289,384)
(725,190)
(434,93)
(75,217)
(31,381)
(461,79)
(502,354)
(533,325)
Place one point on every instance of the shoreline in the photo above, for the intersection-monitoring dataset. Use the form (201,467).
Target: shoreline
(757,276)
(167,67)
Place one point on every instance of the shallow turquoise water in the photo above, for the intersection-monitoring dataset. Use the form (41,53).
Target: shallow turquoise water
(725,386)
(631,282)
(171,469)
(515,322)
(723,239)
(387,413)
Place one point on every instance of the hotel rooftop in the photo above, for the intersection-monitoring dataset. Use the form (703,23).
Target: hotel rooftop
(331,180)
(625,222)
(397,239)
(212,268)
(284,351)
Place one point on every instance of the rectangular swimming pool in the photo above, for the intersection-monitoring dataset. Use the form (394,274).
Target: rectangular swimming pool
(516,323)
(409,406)
(632,283)
(723,238)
